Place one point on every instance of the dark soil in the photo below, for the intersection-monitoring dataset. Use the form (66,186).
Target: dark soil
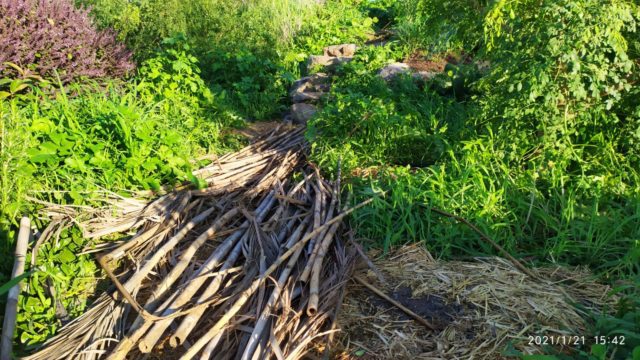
(430,307)
(436,63)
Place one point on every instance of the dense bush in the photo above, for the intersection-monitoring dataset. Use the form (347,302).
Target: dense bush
(260,26)
(336,22)
(46,36)
(555,79)
(546,165)
(438,25)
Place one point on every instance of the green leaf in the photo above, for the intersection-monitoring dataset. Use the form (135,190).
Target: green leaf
(11,283)
(66,256)
(599,350)
(17,85)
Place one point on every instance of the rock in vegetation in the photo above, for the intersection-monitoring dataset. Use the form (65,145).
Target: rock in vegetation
(392,70)
(327,61)
(309,96)
(302,112)
(424,75)
(340,50)
(310,88)
(317,82)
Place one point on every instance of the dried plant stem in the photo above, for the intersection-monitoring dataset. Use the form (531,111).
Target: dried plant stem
(241,296)
(139,275)
(314,284)
(262,320)
(233,310)
(9,323)
(194,285)
(190,321)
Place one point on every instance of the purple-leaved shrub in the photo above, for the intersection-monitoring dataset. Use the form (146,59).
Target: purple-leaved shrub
(47,35)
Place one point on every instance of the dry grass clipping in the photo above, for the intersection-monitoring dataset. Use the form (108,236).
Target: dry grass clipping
(480,307)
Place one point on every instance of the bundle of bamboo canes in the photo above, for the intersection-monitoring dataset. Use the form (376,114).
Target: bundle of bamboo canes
(251,267)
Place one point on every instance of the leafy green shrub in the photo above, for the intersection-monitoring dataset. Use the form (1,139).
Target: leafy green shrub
(62,144)
(260,26)
(138,136)
(254,86)
(438,25)
(335,22)
(249,52)
(625,321)
(545,174)
(58,290)
(368,121)
(47,36)
(554,80)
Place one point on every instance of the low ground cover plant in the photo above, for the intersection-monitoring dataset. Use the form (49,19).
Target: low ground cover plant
(43,36)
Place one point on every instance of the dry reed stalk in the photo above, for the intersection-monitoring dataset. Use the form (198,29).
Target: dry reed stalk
(141,325)
(316,266)
(136,278)
(190,321)
(194,285)
(317,220)
(244,296)
(9,323)
(262,320)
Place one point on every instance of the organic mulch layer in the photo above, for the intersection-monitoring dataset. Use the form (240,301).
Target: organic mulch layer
(479,308)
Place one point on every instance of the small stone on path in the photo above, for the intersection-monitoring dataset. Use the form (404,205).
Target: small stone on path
(302,112)
(340,50)
(327,61)
(392,70)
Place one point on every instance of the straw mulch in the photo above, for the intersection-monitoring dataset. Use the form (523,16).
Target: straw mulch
(479,308)
(251,267)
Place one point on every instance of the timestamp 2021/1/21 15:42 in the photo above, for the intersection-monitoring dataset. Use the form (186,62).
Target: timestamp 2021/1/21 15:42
(575,340)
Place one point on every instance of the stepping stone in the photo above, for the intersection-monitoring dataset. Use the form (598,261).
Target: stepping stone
(317,82)
(308,96)
(392,70)
(340,50)
(302,112)
(424,75)
(327,61)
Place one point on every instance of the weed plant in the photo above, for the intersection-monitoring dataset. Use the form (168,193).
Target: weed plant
(62,144)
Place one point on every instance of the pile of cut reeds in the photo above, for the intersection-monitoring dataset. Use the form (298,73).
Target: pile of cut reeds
(251,267)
